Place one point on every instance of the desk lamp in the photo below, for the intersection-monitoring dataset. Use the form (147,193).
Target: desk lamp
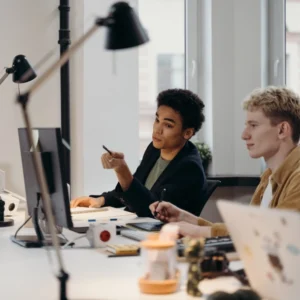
(19,68)
(124,30)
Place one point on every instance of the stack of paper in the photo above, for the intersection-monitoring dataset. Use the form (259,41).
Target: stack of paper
(105,214)
(82,210)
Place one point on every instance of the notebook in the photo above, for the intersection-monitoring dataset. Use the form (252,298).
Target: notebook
(268,243)
(83,210)
(121,249)
(107,213)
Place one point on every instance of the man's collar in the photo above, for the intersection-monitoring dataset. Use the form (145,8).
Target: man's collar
(289,164)
(265,174)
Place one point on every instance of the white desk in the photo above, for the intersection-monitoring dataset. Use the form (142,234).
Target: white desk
(27,273)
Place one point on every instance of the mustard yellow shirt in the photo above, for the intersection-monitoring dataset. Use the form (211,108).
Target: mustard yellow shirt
(285,190)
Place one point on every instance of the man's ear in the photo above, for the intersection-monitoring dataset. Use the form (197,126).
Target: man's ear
(284,130)
(188,133)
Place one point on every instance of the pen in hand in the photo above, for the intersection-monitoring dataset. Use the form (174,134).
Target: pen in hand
(105,148)
(162,197)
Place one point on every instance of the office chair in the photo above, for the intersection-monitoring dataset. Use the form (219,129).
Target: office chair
(210,188)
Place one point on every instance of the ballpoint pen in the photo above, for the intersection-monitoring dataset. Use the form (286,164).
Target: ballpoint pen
(162,197)
(105,148)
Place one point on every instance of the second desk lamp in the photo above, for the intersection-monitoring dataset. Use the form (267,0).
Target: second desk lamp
(19,68)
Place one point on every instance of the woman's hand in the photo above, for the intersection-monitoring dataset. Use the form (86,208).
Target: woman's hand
(86,201)
(194,231)
(166,212)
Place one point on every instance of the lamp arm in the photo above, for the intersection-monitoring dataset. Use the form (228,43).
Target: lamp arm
(3,77)
(63,59)
(7,72)
(41,178)
(38,166)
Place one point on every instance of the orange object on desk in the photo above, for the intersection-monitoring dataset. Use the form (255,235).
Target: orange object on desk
(160,275)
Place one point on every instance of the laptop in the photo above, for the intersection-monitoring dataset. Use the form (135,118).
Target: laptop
(268,243)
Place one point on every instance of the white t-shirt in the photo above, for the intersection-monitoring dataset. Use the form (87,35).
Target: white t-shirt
(267,196)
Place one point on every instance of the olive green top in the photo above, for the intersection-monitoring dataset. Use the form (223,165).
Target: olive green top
(156,171)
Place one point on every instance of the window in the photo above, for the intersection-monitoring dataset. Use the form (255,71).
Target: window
(162,60)
(170,71)
(292,27)
(276,45)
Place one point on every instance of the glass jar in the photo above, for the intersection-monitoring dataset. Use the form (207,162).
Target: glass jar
(159,266)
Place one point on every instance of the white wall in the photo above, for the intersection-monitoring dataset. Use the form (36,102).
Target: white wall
(104,107)
(110,104)
(31,28)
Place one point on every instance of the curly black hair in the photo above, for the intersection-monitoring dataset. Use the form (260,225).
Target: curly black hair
(187,104)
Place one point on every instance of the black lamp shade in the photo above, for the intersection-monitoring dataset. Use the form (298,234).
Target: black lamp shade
(21,67)
(125,30)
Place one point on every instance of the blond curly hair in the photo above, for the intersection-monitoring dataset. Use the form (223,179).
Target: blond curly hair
(278,104)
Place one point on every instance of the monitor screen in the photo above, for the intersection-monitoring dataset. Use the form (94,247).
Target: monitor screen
(48,142)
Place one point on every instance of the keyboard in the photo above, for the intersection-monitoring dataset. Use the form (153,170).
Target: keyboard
(213,244)
(220,243)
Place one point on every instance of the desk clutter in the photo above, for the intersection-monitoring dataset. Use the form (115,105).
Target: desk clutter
(160,273)
(158,258)
(159,250)
(123,250)
(206,257)
(159,262)
(209,265)
(11,203)
(4,222)
(239,294)
(100,235)
(140,231)
(214,244)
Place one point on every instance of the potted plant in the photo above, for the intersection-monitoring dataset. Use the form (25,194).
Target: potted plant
(205,154)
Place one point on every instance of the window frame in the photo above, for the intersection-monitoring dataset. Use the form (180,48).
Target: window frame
(276,42)
(191,45)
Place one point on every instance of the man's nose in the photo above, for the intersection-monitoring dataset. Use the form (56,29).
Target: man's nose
(157,128)
(245,135)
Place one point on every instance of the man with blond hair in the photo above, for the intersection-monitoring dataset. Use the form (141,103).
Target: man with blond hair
(272,131)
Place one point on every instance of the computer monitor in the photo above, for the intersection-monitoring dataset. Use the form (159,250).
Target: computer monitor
(48,142)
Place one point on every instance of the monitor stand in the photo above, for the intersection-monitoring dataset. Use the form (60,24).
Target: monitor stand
(38,240)
(31,241)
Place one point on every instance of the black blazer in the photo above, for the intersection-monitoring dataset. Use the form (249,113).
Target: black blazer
(183,179)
